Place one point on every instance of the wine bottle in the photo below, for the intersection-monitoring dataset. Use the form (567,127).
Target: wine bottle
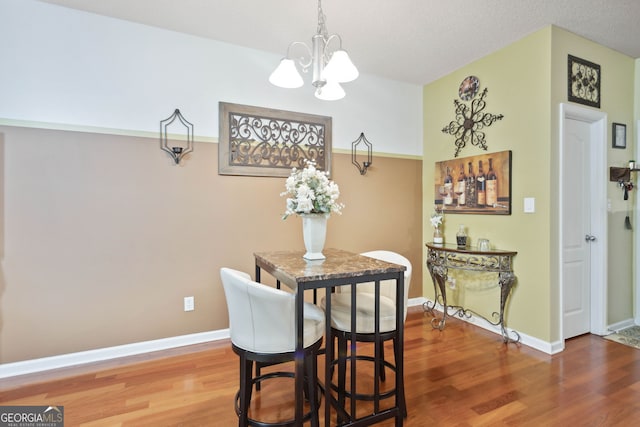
(448,188)
(462,186)
(481,187)
(492,186)
(470,198)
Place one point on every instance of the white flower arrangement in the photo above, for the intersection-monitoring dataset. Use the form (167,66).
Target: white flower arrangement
(437,217)
(309,191)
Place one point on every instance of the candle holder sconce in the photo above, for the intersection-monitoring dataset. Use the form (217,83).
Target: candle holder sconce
(354,145)
(177,152)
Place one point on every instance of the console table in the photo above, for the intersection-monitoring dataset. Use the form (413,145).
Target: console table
(442,257)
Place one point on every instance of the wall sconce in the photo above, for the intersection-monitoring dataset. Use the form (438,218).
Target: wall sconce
(362,168)
(177,153)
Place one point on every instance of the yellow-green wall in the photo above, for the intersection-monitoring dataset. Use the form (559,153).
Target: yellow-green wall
(617,87)
(636,138)
(515,91)
(526,82)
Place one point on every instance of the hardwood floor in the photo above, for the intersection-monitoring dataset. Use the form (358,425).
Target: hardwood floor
(462,376)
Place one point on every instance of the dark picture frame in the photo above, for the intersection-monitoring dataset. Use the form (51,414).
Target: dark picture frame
(449,200)
(257,141)
(619,135)
(583,81)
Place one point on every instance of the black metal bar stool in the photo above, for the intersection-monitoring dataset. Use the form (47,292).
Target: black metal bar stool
(365,318)
(262,329)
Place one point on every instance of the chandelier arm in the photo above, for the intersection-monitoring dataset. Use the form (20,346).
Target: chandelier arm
(302,61)
(327,52)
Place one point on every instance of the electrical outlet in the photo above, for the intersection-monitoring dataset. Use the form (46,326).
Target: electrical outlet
(189,304)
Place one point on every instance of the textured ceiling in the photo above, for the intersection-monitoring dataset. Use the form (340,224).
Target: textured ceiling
(415,41)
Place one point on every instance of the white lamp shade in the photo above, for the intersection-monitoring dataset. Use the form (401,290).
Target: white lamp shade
(331,91)
(340,68)
(286,75)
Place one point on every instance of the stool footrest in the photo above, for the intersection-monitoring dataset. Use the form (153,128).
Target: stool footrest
(284,423)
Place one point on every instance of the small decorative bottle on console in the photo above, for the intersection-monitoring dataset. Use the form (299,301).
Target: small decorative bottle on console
(461,237)
(438,239)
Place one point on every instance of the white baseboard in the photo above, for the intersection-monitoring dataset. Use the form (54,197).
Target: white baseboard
(102,354)
(533,342)
(615,327)
(414,302)
(80,358)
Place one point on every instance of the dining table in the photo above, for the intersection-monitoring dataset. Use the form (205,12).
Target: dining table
(339,268)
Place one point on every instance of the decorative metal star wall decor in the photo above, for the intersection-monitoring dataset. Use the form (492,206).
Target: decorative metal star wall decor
(470,120)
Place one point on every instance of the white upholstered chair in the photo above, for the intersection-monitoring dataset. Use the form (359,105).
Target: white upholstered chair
(365,321)
(262,329)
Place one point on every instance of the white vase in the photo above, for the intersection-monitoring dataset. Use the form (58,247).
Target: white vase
(314,233)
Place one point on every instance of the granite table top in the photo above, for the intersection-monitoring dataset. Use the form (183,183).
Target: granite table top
(290,268)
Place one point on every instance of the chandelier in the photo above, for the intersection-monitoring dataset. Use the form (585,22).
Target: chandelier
(329,67)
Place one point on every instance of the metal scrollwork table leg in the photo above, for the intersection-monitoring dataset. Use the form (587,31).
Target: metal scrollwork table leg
(439,277)
(440,259)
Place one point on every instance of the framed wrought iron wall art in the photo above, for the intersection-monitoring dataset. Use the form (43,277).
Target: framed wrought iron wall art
(583,81)
(258,141)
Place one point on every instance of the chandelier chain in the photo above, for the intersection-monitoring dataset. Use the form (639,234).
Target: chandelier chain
(322,26)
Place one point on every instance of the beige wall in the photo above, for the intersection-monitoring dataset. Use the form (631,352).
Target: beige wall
(526,82)
(103,235)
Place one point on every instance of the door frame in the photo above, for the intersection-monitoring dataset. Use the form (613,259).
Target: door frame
(599,205)
(636,242)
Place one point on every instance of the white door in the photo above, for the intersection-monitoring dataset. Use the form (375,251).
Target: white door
(583,240)
(577,237)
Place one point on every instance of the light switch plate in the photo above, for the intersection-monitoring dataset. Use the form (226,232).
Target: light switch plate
(529,204)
